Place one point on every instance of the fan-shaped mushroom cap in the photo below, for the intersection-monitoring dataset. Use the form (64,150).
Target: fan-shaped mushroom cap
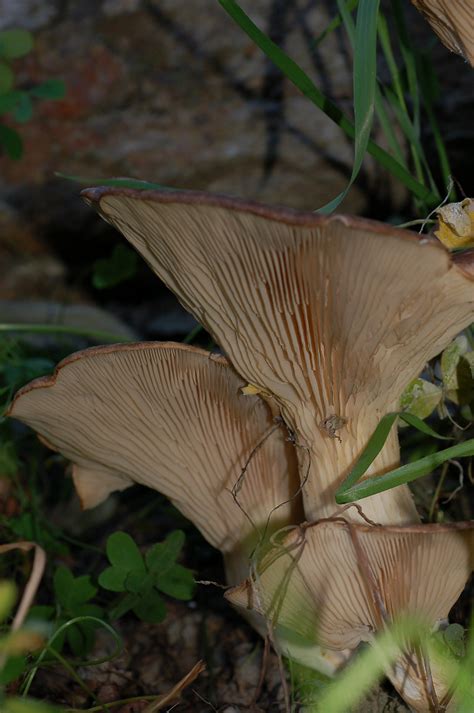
(172,418)
(453,22)
(331,316)
(337,584)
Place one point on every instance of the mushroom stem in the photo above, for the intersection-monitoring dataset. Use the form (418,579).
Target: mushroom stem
(330,453)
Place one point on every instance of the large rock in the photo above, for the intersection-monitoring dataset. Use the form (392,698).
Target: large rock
(173,91)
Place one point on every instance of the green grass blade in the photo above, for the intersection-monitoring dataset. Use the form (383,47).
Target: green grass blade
(116,182)
(93,335)
(408,52)
(410,134)
(397,97)
(430,93)
(301,80)
(366,669)
(334,24)
(364,42)
(404,474)
(380,110)
(375,445)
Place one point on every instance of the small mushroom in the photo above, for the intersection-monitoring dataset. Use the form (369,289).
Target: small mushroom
(173,418)
(453,22)
(330,317)
(335,584)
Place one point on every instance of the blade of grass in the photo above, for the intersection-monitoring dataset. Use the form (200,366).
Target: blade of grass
(411,135)
(380,110)
(94,335)
(404,474)
(369,666)
(428,80)
(408,53)
(301,80)
(397,98)
(373,448)
(118,182)
(334,24)
(364,42)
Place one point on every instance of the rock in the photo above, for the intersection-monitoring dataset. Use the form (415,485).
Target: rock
(29,14)
(175,92)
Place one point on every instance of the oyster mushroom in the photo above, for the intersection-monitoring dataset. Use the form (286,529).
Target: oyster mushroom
(335,584)
(330,317)
(173,418)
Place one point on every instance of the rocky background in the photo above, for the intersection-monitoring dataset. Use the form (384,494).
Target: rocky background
(172,91)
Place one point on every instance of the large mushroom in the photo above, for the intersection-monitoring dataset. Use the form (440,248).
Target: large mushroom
(173,418)
(330,317)
(336,584)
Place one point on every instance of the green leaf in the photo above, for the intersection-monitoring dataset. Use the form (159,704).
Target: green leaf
(377,484)
(450,359)
(11,142)
(63,581)
(117,182)
(334,24)
(365,85)
(301,80)
(177,582)
(420,398)
(71,591)
(111,271)
(125,558)
(151,608)
(24,109)
(164,554)
(404,474)
(6,78)
(49,89)
(7,598)
(464,393)
(137,581)
(122,606)
(454,637)
(123,552)
(81,636)
(113,579)
(12,669)
(364,670)
(9,100)
(15,43)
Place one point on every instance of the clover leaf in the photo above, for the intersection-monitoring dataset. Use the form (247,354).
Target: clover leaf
(73,597)
(143,580)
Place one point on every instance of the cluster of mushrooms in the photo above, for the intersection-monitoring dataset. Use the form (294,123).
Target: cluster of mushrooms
(323,321)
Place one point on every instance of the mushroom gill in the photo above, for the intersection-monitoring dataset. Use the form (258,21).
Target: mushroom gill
(453,22)
(336,583)
(173,418)
(329,316)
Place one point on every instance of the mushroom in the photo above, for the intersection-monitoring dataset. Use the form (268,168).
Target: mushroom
(335,584)
(173,418)
(453,22)
(329,317)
